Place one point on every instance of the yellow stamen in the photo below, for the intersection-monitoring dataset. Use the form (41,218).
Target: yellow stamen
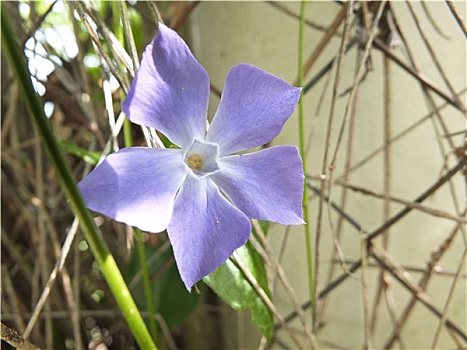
(195,162)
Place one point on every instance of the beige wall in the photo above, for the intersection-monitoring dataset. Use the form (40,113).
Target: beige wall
(227,33)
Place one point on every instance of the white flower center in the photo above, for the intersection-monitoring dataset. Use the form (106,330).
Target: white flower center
(202,157)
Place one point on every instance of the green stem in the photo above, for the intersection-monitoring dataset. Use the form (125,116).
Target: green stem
(93,237)
(143,262)
(127,133)
(128,137)
(149,296)
(302,146)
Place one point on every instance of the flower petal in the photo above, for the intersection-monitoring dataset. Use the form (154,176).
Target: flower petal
(136,186)
(205,229)
(266,185)
(170,91)
(253,109)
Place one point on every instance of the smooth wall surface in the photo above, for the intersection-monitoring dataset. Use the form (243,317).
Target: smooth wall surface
(227,33)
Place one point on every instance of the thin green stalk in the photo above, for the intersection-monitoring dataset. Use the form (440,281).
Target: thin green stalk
(93,237)
(143,262)
(302,147)
(148,294)
(128,137)
(127,133)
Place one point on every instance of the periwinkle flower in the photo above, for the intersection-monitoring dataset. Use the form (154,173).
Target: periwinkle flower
(202,193)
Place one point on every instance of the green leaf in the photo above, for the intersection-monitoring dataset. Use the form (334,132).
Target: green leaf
(88,156)
(229,283)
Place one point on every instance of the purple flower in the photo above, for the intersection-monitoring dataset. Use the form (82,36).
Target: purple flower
(202,193)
